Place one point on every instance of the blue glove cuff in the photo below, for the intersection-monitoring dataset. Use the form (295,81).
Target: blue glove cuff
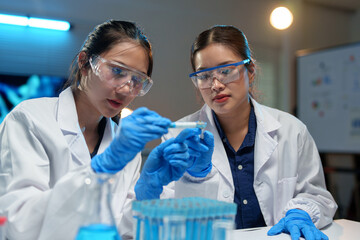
(111,160)
(202,173)
(147,187)
(98,167)
(299,211)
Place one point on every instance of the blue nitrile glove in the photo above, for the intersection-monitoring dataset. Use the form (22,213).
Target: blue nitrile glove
(134,132)
(166,163)
(201,151)
(298,223)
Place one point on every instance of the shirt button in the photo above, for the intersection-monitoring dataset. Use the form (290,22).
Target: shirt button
(245,202)
(224,139)
(226,194)
(240,167)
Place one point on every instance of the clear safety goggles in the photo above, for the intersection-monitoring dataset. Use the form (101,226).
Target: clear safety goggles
(225,74)
(118,75)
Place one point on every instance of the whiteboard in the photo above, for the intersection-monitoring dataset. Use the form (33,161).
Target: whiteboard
(328,96)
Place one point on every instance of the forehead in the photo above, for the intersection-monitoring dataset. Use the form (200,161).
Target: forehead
(129,53)
(215,54)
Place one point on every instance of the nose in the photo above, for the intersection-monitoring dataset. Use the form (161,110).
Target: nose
(125,88)
(216,84)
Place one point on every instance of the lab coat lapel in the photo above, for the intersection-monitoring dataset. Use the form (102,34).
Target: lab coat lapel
(265,144)
(69,125)
(108,136)
(219,159)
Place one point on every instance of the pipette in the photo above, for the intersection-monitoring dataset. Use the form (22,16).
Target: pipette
(198,124)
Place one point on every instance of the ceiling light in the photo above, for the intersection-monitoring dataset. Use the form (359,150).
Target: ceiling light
(34,22)
(281,18)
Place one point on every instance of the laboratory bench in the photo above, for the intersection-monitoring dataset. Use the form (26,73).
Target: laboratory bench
(340,229)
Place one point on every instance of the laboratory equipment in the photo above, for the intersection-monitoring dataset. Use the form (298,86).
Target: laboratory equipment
(192,218)
(98,221)
(222,230)
(198,124)
(2,227)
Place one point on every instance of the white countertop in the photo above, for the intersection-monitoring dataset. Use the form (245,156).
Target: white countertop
(340,229)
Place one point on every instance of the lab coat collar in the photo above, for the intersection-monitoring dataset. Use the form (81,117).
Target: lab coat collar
(268,122)
(108,136)
(67,115)
(69,125)
(219,159)
(265,144)
(265,141)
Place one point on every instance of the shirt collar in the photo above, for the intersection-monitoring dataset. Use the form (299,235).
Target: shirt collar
(250,136)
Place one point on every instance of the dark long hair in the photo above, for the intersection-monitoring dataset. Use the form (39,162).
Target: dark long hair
(102,39)
(230,37)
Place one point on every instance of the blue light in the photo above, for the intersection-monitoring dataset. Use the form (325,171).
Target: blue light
(34,22)
(14,20)
(49,24)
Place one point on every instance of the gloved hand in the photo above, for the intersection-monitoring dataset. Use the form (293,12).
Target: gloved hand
(166,163)
(201,151)
(298,223)
(134,132)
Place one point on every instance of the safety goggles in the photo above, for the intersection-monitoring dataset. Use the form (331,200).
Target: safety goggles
(118,75)
(225,74)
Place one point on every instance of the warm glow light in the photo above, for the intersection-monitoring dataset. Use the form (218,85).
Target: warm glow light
(281,18)
(126,112)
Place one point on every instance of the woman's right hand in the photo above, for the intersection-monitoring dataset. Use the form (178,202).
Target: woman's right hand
(201,151)
(166,163)
(134,132)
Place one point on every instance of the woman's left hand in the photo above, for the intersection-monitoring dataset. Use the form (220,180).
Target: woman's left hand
(298,223)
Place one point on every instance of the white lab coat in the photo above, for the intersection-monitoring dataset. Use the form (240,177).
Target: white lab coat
(287,168)
(44,162)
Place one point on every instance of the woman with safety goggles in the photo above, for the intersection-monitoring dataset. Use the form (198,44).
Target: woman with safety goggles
(50,146)
(265,160)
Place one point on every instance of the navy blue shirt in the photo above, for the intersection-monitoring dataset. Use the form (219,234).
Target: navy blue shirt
(242,168)
(101,130)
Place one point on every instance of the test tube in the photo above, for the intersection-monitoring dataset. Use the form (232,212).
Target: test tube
(198,124)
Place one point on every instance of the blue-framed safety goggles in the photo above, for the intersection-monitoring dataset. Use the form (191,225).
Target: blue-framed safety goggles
(224,73)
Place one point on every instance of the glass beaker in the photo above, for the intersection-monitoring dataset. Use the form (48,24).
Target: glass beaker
(98,221)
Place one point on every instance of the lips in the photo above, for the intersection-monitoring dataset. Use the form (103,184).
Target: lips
(115,103)
(220,98)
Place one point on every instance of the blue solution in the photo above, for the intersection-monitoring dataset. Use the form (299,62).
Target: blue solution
(98,232)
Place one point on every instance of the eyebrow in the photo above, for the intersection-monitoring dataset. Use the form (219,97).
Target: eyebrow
(115,61)
(222,63)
